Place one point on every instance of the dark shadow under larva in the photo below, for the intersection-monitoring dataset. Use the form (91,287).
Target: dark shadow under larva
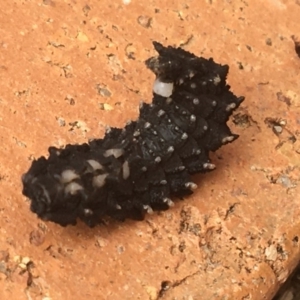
(135,170)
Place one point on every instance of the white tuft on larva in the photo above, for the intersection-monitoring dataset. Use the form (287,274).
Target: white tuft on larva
(95,164)
(115,152)
(126,170)
(99,180)
(72,188)
(164,89)
(227,139)
(148,209)
(68,176)
(191,185)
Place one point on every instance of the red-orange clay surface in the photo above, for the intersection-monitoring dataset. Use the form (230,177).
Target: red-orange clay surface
(69,68)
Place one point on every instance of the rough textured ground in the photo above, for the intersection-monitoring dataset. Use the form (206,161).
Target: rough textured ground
(68,68)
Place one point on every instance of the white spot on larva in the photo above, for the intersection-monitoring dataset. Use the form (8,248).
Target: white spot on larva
(191,185)
(118,207)
(72,188)
(144,169)
(214,103)
(95,165)
(230,106)
(192,118)
(115,152)
(148,209)
(180,81)
(136,133)
(87,212)
(169,100)
(158,159)
(164,89)
(227,139)
(209,166)
(160,113)
(46,194)
(205,127)
(169,202)
(196,101)
(170,149)
(163,182)
(99,180)
(217,80)
(184,136)
(192,74)
(193,85)
(126,170)
(68,176)
(147,125)
(141,104)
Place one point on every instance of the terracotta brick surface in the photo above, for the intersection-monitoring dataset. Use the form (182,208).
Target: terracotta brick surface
(68,68)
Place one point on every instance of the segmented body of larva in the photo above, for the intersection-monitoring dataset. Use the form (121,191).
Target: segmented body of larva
(135,170)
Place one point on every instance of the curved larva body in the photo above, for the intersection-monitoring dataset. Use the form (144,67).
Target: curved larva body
(135,170)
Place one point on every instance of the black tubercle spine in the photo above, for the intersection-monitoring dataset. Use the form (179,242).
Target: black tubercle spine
(135,170)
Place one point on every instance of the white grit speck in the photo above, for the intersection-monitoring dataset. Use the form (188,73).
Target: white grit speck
(193,85)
